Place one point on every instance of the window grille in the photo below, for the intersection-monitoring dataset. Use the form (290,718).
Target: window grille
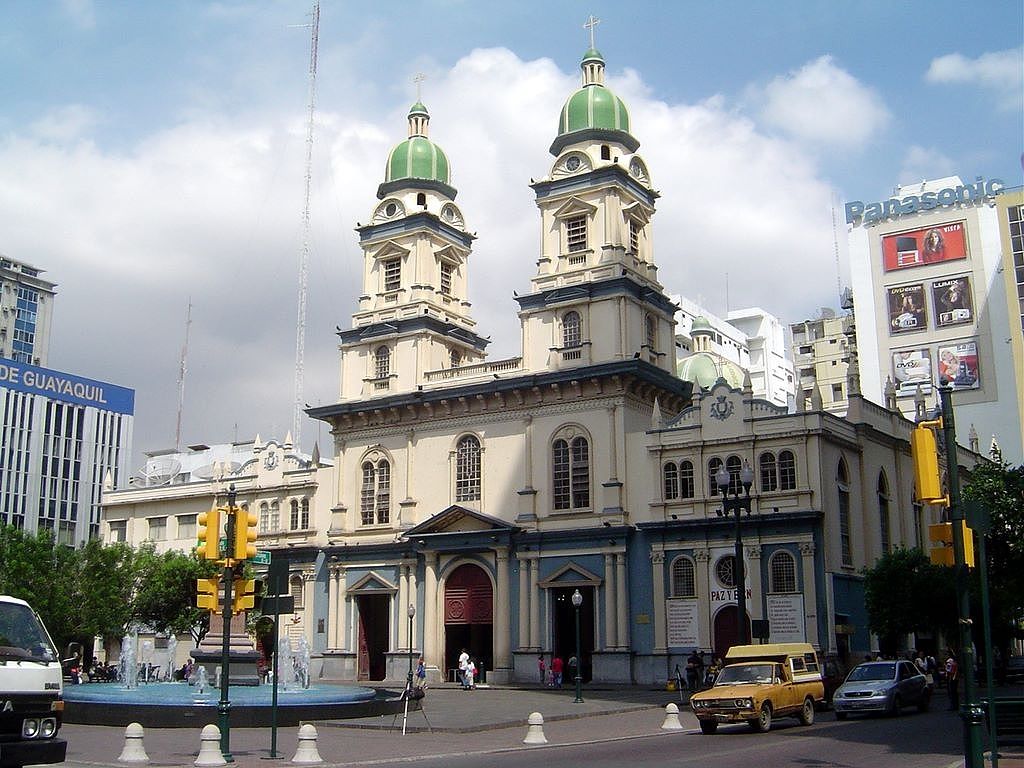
(684,583)
(769,473)
(392,274)
(467,469)
(670,475)
(787,471)
(686,489)
(576,233)
(782,573)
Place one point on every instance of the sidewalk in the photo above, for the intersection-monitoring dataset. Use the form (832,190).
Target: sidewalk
(464,722)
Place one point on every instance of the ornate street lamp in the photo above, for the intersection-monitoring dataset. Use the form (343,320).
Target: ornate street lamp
(412,613)
(577,601)
(736,505)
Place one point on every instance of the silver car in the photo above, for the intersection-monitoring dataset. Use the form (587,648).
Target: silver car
(882,686)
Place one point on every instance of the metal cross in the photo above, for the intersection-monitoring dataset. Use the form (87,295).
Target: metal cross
(591,23)
(418,79)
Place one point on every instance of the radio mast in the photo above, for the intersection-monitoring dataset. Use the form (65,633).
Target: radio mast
(300,327)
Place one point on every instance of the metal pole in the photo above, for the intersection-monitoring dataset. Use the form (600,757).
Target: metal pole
(224,706)
(579,662)
(275,587)
(970,711)
(741,590)
(982,563)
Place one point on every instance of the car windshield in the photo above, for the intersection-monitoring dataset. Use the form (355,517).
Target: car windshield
(872,672)
(745,673)
(22,636)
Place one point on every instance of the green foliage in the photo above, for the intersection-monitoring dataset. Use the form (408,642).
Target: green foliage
(165,596)
(906,593)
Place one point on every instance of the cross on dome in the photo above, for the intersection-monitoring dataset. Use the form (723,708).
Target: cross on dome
(418,79)
(591,23)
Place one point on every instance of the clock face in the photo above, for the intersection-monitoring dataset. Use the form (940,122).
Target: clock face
(572,163)
(636,167)
(271,461)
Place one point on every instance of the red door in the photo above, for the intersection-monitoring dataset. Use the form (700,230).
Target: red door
(726,631)
(468,616)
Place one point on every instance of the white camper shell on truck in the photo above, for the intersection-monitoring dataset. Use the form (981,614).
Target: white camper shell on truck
(31,703)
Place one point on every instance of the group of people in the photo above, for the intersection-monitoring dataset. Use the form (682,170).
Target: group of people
(699,675)
(467,671)
(552,675)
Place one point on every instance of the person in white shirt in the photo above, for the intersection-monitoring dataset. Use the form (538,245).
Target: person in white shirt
(463,664)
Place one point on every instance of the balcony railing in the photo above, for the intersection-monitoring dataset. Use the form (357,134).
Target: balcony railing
(479,369)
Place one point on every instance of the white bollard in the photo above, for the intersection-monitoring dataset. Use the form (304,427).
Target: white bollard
(209,747)
(134,751)
(306,753)
(535,731)
(671,719)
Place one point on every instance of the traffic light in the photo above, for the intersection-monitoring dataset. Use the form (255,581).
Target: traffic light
(209,534)
(927,481)
(244,595)
(206,593)
(941,536)
(245,534)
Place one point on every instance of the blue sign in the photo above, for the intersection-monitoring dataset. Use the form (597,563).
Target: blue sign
(33,380)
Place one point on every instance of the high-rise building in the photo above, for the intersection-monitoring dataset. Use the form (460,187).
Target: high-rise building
(26,312)
(1010,209)
(821,354)
(931,307)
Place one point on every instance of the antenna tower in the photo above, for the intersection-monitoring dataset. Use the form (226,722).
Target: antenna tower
(300,327)
(835,251)
(182,368)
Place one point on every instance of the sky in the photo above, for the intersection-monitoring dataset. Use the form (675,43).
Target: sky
(152,157)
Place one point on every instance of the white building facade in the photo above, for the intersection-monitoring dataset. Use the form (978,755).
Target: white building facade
(26,312)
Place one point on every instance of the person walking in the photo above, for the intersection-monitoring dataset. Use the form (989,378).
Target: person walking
(463,663)
(542,668)
(421,674)
(953,681)
(556,671)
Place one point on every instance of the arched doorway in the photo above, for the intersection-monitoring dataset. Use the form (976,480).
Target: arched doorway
(726,630)
(468,617)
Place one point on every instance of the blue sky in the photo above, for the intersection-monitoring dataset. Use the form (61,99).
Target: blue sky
(151,152)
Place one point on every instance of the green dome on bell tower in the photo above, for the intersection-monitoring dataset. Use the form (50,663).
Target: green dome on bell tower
(593,111)
(417,157)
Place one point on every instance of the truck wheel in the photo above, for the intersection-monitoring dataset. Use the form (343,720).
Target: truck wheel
(708,726)
(763,722)
(806,715)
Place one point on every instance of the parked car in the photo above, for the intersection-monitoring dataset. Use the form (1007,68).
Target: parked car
(882,686)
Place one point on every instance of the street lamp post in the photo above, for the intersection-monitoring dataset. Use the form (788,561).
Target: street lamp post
(736,505)
(412,613)
(577,601)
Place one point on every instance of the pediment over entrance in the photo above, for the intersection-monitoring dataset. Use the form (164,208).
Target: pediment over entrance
(459,519)
(372,583)
(570,575)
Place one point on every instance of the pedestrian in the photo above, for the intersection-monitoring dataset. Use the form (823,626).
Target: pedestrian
(542,668)
(470,674)
(573,667)
(421,674)
(692,663)
(952,681)
(463,663)
(556,671)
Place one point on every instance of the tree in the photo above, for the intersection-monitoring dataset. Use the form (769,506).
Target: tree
(906,593)
(165,594)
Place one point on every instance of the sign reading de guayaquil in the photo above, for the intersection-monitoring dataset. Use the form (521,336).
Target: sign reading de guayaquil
(858,212)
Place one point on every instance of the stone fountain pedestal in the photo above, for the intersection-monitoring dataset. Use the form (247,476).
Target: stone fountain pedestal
(242,655)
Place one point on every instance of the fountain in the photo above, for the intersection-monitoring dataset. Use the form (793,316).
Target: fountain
(201,681)
(172,653)
(301,662)
(128,662)
(286,665)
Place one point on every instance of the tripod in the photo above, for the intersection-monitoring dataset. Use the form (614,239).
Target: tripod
(411,692)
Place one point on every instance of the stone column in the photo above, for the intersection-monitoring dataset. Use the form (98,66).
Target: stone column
(621,609)
(703,563)
(611,639)
(411,598)
(332,607)
(810,591)
(524,603)
(403,603)
(308,585)
(431,654)
(534,604)
(341,630)
(502,606)
(658,584)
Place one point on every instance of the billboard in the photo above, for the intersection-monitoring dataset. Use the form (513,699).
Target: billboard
(66,387)
(951,299)
(930,245)
(958,364)
(907,311)
(912,368)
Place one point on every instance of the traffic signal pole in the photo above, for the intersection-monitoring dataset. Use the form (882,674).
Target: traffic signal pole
(224,706)
(970,710)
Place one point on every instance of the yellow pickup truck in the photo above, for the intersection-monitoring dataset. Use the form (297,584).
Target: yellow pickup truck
(759,683)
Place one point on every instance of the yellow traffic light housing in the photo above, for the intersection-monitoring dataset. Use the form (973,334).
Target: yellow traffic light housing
(245,534)
(244,595)
(923,449)
(941,537)
(206,593)
(208,547)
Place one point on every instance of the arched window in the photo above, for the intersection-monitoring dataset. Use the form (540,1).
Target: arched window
(684,583)
(651,333)
(264,517)
(787,471)
(293,521)
(382,363)
(467,469)
(375,493)
(572,335)
(304,514)
(734,465)
(845,542)
(606,152)
(725,571)
(686,490)
(421,199)
(295,589)
(782,573)
(670,476)
(571,473)
(769,473)
(714,465)
(883,512)
(275,516)
(454,358)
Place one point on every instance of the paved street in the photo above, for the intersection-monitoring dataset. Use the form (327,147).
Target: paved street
(612,728)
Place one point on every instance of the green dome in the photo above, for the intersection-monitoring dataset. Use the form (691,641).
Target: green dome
(703,369)
(417,158)
(700,323)
(593,106)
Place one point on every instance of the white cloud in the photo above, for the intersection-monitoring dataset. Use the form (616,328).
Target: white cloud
(922,163)
(81,12)
(211,210)
(824,104)
(1001,72)
(65,123)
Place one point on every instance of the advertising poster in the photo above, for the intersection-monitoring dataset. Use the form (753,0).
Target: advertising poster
(910,368)
(906,309)
(786,619)
(951,299)
(958,364)
(932,245)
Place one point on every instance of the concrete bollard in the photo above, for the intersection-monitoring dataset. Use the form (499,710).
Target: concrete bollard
(209,747)
(134,750)
(535,731)
(306,753)
(671,719)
